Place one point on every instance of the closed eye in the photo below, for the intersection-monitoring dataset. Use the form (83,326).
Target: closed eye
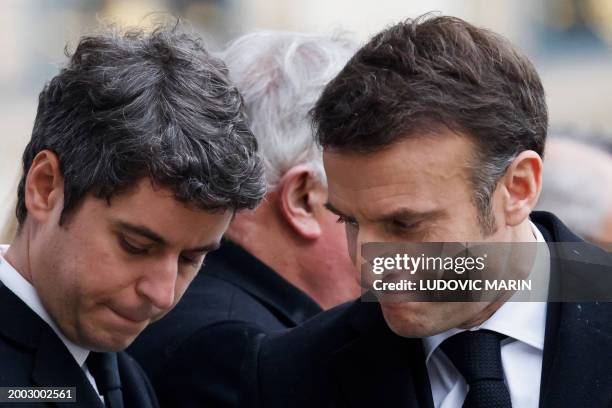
(132,248)
(403,226)
(192,261)
(407,224)
(344,220)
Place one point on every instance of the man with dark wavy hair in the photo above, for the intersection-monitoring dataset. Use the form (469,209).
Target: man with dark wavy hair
(139,158)
(281,263)
(434,132)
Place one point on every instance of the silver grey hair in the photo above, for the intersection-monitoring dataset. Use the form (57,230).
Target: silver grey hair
(281,75)
(575,192)
(484,176)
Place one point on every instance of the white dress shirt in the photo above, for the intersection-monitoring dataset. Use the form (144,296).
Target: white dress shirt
(17,284)
(521,352)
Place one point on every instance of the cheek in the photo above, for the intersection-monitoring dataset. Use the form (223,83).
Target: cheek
(99,265)
(406,319)
(103,274)
(419,319)
(462,224)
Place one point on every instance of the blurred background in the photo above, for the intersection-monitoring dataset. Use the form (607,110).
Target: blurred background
(569,41)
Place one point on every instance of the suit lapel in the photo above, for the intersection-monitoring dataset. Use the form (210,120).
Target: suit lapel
(380,368)
(137,392)
(54,366)
(576,364)
(576,361)
(53,363)
(17,321)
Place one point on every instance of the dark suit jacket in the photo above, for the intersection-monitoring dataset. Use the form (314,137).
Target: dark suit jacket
(31,355)
(194,354)
(348,357)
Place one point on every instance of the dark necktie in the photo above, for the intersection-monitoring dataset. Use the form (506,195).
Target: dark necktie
(105,370)
(477,356)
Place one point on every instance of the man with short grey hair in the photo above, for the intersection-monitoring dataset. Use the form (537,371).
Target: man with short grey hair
(283,262)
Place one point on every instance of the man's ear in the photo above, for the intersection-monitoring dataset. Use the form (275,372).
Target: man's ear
(523,184)
(298,196)
(44,186)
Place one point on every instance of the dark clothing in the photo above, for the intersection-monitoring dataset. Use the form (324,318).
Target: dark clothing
(31,355)
(194,354)
(348,356)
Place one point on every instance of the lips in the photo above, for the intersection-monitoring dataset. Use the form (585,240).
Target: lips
(133,316)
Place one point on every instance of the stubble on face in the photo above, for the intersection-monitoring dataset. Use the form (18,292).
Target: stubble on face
(101,296)
(422,175)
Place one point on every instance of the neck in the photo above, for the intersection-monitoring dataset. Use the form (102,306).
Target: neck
(265,237)
(18,254)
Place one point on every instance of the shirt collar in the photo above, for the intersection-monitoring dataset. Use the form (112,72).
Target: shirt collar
(523,321)
(17,284)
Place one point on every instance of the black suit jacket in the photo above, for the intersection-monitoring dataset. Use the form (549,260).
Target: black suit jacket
(31,355)
(348,357)
(195,353)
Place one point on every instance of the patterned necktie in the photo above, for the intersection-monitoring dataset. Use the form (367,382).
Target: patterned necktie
(105,370)
(477,356)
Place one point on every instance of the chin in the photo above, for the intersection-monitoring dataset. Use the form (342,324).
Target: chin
(109,342)
(104,337)
(412,319)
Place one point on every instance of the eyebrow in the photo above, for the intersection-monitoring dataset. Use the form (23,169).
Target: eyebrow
(402,213)
(408,214)
(153,236)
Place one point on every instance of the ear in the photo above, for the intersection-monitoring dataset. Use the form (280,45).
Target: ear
(298,196)
(523,184)
(44,186)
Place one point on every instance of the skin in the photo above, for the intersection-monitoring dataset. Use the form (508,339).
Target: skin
(310,250)
(112,267)
(417,190)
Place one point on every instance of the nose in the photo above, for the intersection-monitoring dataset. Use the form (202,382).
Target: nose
(158,283)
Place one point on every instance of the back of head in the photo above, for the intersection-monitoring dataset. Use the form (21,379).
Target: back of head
(281,75)
(151,105)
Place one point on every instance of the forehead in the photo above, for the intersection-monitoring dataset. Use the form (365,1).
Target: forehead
(156,209)
(416,171)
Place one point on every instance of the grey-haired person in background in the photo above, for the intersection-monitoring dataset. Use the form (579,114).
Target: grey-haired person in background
(139,158)
(577,185)
(284,262)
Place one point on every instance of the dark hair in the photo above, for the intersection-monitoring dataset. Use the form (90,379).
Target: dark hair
(431,72)
(147,105)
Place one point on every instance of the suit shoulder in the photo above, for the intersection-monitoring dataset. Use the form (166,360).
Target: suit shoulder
(212,300)
(593,315)
(213,308)
(321,335)
(137,388)
(16,363)
(296,367)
